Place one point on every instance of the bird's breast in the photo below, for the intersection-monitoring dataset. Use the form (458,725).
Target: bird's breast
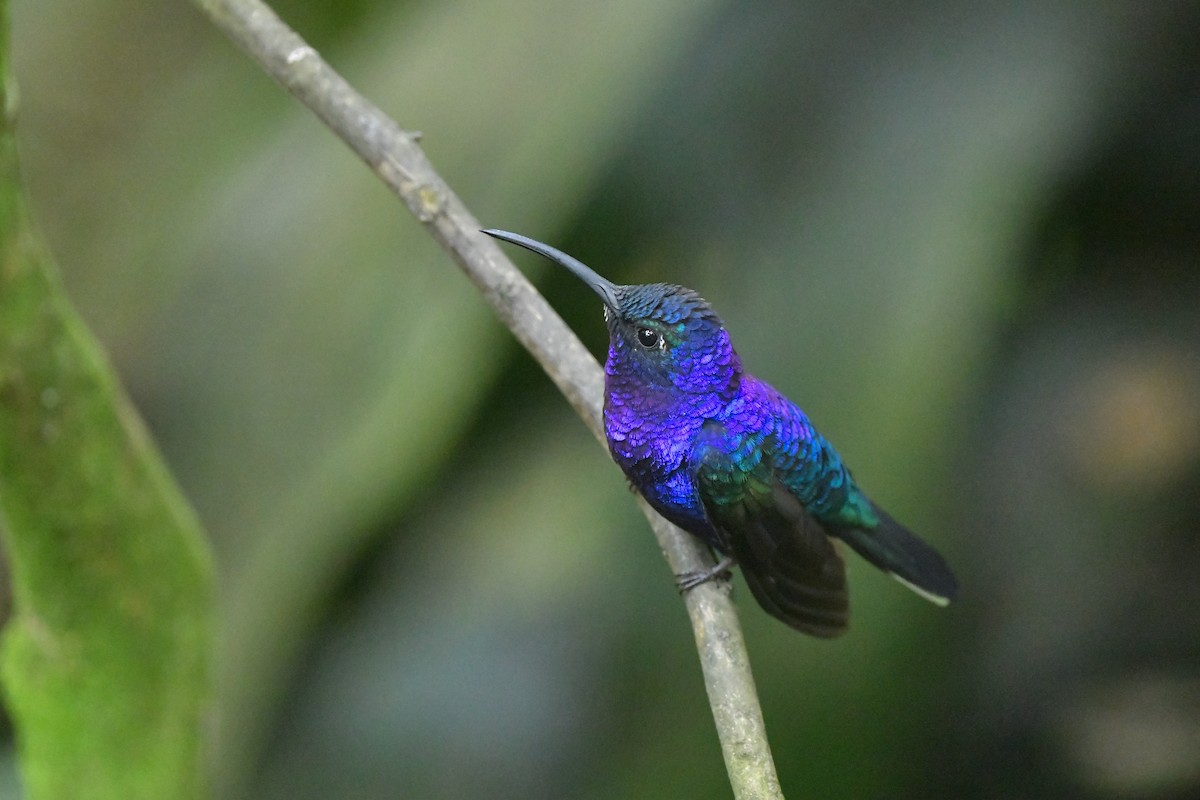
(651,442)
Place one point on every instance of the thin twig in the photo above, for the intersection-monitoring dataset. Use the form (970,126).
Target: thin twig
(395,157)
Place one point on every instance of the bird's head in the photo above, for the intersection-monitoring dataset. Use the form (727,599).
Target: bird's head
(660,335)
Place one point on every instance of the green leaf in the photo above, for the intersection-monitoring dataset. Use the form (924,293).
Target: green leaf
(105,663)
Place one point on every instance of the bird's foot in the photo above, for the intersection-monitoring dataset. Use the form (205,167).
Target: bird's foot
(690,580)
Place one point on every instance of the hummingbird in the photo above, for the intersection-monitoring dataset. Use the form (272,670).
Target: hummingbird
(729,459)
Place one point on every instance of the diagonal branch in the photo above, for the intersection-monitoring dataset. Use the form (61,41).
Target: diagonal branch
(396,159)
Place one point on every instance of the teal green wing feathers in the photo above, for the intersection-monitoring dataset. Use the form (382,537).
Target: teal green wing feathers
(790,564)
(746,472)
(815,474)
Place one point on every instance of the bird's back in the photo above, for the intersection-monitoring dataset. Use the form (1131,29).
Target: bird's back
(775,490)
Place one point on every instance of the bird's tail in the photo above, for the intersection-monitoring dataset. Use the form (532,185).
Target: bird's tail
(900,553)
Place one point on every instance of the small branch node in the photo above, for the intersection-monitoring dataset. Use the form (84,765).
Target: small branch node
(299,54)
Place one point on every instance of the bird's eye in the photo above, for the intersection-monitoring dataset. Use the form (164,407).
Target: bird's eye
(648,338)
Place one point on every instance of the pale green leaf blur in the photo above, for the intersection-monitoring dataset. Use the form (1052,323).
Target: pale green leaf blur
(964,240)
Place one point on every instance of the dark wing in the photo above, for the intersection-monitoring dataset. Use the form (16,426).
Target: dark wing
(789,562)
(814,473)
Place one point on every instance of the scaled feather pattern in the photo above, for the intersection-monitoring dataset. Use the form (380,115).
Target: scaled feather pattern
(732,461)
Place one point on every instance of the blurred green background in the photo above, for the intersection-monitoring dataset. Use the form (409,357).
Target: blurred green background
(964,237)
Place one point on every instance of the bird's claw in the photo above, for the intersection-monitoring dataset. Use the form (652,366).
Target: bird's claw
(690,580)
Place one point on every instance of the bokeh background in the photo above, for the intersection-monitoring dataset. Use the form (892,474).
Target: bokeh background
(965,237)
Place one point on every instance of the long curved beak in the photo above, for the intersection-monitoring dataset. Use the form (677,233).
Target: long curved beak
(601,286)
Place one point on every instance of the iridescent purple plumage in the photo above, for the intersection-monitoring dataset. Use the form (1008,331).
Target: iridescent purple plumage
(731,460)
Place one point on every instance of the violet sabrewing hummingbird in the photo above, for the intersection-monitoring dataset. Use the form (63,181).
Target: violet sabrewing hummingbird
(732,461)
